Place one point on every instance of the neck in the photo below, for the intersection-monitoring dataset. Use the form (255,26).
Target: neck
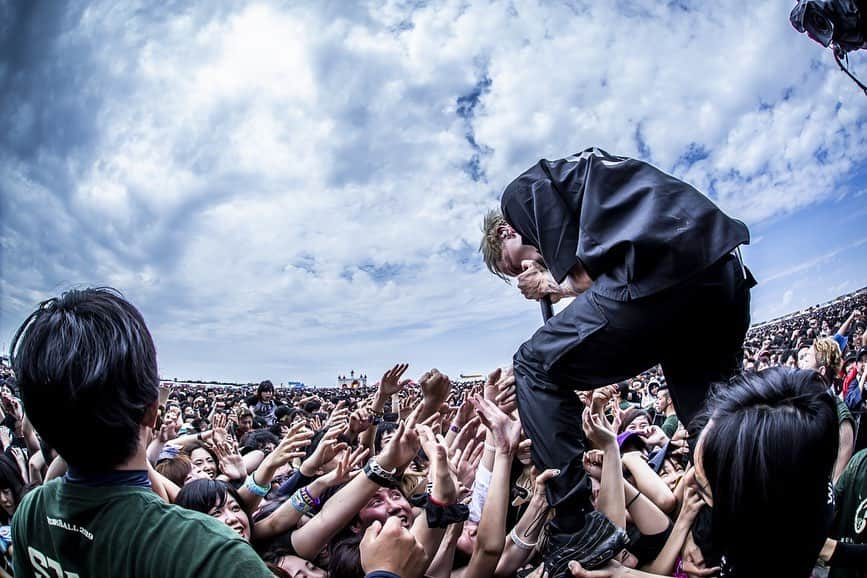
(669,411)
(139,460)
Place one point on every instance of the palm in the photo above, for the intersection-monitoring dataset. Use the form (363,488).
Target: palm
(232,465)
(390,382)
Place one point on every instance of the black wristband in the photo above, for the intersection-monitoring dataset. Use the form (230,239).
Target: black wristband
(376,478)
(440,516)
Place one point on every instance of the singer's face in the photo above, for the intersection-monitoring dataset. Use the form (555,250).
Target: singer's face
(514,251)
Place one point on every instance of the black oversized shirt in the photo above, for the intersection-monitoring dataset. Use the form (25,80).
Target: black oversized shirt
(635,229)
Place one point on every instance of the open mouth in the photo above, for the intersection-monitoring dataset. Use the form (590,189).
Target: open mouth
(239,529)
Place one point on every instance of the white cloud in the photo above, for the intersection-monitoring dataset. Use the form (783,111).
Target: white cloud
(282,188)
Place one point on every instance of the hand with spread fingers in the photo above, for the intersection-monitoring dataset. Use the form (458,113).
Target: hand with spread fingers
(505,430)
(391,382)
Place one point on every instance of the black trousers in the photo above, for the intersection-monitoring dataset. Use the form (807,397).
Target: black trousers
(695,330)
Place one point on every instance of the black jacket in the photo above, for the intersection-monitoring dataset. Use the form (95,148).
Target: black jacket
(635,229)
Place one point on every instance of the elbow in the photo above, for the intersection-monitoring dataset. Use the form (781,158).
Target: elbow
(491,548)
(667,503)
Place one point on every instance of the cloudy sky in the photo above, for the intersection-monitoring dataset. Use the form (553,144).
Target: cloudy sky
(291,190)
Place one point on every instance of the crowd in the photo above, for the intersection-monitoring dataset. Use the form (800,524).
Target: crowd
(108,475)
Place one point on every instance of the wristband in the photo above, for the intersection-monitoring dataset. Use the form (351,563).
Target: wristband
(520,543)
(256,489)
(489,447)
(439,516)
(454,428)
(300,504)
(376,474)
(632,501)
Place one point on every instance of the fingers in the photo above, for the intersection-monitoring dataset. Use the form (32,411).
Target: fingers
(372,533)
(548,474)
(494,376)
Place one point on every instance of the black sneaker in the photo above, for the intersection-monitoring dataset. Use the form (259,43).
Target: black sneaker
(593,546)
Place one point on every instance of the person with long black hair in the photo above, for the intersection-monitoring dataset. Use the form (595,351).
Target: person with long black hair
(763,466)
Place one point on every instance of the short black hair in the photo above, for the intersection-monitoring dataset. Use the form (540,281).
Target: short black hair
(257,439)
(204,495)
(87,370)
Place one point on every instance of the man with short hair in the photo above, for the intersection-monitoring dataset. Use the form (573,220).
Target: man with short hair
(87,371)
(664,407)
(647,258)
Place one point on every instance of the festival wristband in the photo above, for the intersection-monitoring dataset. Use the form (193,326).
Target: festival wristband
(256,489)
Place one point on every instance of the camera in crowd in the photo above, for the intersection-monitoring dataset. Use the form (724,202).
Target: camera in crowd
(838,24)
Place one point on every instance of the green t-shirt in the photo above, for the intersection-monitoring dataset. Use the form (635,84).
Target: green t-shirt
(669,426)
(65,530)
(850,523)
(843,413)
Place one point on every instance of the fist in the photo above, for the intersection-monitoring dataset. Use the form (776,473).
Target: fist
(392,548)
(537,282)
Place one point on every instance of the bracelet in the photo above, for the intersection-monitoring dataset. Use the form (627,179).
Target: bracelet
(455,428)
(436,502)
(378,475)
(256,489)
(489,447)
(308,498)
(376,413)
(299,504)
(632,501)
(520,543)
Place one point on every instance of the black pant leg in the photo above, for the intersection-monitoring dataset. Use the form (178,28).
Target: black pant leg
(577,349)
(714,319)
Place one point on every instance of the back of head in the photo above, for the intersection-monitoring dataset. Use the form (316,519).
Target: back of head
(87,371)
(767,452)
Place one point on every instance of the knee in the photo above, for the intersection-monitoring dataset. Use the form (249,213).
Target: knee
(525,362)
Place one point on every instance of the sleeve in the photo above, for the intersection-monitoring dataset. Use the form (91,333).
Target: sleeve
(20,566)
(480,492)
(381,574)
(295,481)
(847,556)
(535,209)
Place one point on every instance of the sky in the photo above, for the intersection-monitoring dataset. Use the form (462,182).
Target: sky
(293,190)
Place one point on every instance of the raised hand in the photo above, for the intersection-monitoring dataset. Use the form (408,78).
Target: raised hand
(505,430)
(491,389)
(655,437)
(540,483)
(465,463)
(597,430)
(231,462)
(592,462)
(390,382)
(404,445)
(507,396)
(345,469)
(444,482)
(292,445)
(327,449)
(435,387)
(359,421)
(339,416)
